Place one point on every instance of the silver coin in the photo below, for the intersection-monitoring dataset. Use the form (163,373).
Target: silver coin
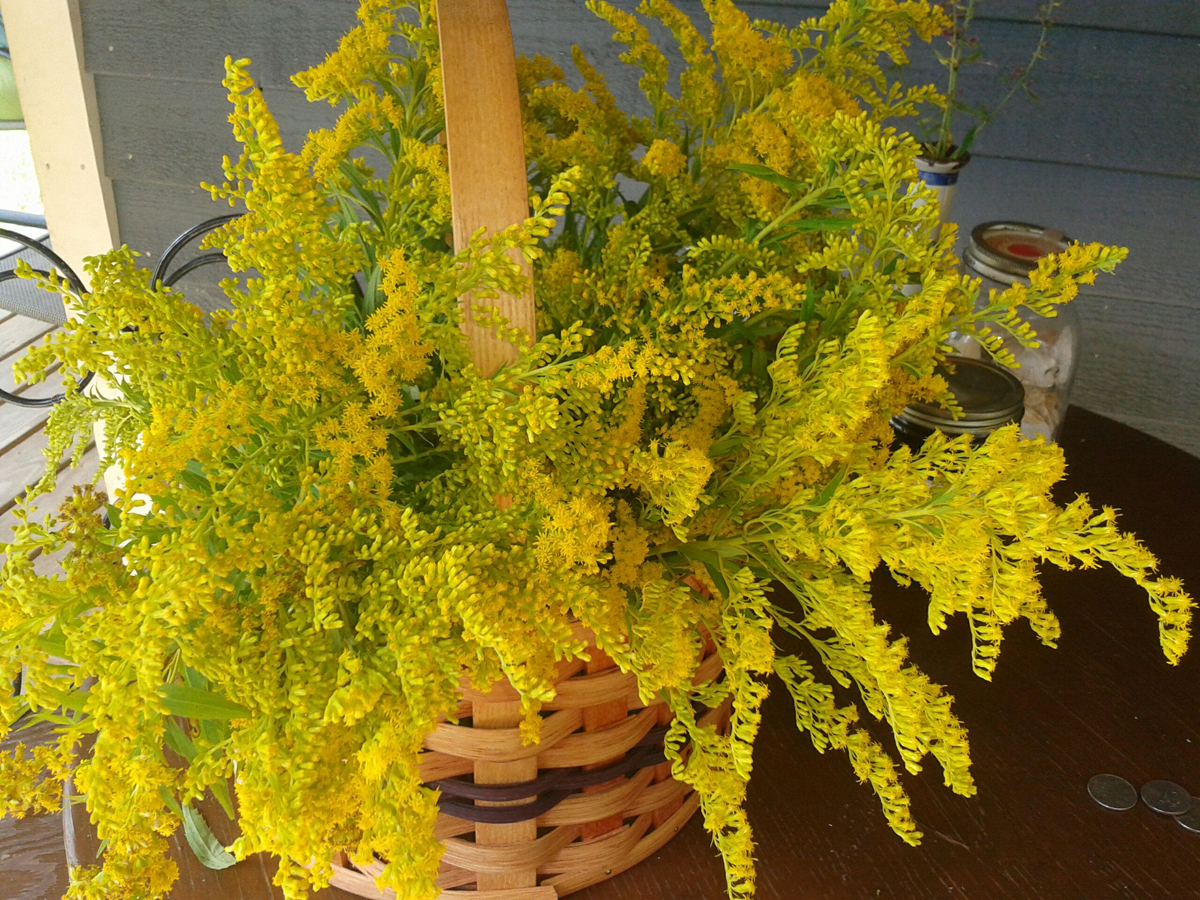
(1191,819)
(1113,792)
(1166,797)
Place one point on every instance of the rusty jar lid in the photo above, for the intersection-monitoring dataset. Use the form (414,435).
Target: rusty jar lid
(990,397)
(1008,251)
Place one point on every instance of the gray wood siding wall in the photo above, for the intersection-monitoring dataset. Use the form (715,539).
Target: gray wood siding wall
(1111,152)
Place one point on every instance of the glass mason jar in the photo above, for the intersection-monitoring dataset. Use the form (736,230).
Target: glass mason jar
(989,395)
(1002,254)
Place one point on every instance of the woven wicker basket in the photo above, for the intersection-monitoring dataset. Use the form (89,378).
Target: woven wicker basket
(595,796)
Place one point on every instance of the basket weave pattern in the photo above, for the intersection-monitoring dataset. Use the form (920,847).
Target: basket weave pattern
(603,798)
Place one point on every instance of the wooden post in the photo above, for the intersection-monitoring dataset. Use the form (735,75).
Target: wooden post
(488,189)
(58,99)
(484,136)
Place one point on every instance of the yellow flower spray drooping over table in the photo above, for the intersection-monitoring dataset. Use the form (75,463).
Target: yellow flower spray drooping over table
(307,554)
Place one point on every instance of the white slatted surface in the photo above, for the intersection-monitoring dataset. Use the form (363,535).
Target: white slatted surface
(22,434)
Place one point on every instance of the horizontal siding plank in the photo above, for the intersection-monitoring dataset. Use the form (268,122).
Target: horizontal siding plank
(1139,361)
(189,39)
(1106,98)
(1181,17)
(170,130)
(1157,218)
(177,131)
(152,215)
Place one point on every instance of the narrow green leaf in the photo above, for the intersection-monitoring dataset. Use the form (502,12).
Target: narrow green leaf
(195,703)
(801,225)
(967,141)
(209,851)
(371,292)
(169,799)
(837,202)
(192,678)
(52,643)
(718,580)
(830,489)
(193,477)
(178,740)
(213,731)
(770,176)
(68,700)
(43,715)
(220,790)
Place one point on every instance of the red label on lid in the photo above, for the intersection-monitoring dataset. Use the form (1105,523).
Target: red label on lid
(1021,246)
(1027,250)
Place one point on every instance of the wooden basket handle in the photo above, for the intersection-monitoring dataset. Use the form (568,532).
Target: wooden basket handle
(485,139)
(489,189)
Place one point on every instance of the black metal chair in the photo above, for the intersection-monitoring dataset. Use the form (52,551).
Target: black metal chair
(204,259)
(65,271)
(45,309)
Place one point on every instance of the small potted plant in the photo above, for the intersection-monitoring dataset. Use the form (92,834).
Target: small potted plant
(944,154)
(344,550)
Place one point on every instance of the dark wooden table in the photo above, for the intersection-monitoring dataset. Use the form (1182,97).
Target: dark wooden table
(1105,701)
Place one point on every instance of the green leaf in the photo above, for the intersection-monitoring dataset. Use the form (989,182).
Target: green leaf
(193,477)
(830,489)
(810,304)
(192,678)
(967,141)
(72,701)
(195,703)
(770,176)
(203,842)
(176,738)
(718,580)
(837,202)
(371,293)
(212,731)
(42,715)
(800,225)
(169,799)
(220,790)
(52,642)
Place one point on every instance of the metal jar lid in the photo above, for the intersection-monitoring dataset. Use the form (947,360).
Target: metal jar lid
(940,172)
(990,397)
(1008,251)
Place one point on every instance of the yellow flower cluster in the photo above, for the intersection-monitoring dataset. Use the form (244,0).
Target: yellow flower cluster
(330,517)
